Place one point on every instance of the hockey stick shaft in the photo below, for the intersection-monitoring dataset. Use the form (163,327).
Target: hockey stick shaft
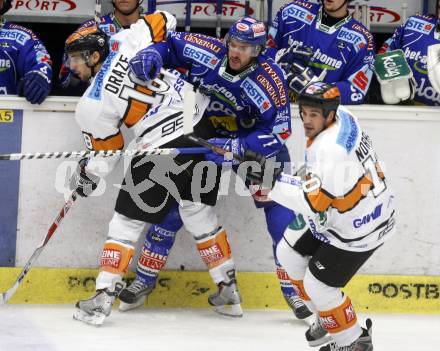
(4,297)
(188,127)
(98,12)
(247,8)
(188,16)
(269,12)
(219,10)
(151,6)
(106,153)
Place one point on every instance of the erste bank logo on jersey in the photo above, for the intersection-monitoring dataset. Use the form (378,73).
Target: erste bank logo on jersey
(352,37)
(419,25)
(45,5)
(254,92)
(299,13)
(201,56)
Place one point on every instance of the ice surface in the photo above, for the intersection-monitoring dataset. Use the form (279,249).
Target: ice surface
(51,328)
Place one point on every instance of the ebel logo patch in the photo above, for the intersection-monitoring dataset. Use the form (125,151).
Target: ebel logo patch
(254,92)
(201,56)
(299,13)
(419,25)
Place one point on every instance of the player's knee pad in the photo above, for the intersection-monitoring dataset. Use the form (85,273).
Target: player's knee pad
(198,218)
(293,262)
(116,257)
(122,228)
(324,297)
(214,248)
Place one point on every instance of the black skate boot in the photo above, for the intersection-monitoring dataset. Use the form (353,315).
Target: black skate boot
(299,308)
(134,295)
(363,343)
(316,335)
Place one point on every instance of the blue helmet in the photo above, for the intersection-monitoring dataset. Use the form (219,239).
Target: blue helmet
(248,30)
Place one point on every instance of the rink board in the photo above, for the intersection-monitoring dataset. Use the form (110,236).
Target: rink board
(374,293)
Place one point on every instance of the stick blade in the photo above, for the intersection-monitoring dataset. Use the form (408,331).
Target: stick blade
(188,109)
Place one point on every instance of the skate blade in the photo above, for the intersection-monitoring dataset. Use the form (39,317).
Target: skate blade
(124,306)
(96,319)
(229,310)
(309,320)
(324,340)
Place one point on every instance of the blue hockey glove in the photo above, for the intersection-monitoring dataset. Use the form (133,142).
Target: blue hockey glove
(84,183)
(295,53)
(34,86)
(146,64)
(231,145)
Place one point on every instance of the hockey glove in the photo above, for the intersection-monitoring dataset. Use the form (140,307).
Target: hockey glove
(83,182)
(295,53)
(146,64)
(231,145)
(268,173)
(34,86)
(299,77)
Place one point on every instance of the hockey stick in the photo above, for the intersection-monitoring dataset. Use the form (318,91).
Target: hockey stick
(102,153)
(188,128)
(4,297)
(188,16)
(269,13)
(218,26)
(247,8)
(151,6)
(97,12)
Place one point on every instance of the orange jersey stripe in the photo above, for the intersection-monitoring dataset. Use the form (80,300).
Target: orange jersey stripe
(113,142)
(320,200)
(136,109)
(157,24)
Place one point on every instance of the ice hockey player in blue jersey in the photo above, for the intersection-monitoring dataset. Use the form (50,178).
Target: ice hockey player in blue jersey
(125,14)
(25,65)
(251,112)
(340,45)
(414,37)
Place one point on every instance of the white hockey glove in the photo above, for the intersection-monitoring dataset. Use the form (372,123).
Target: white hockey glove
(434,66)
(396,79)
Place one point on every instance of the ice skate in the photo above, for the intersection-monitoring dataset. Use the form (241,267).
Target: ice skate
(299,308)
(97,308)
(227,300)
(316,335)
(134,295)
(363,343)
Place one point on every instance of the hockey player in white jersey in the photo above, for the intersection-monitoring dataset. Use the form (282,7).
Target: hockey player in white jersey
(154,111)
(347,213)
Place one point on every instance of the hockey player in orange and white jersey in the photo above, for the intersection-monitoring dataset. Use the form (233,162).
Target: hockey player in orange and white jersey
(347,212)
(154,111)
